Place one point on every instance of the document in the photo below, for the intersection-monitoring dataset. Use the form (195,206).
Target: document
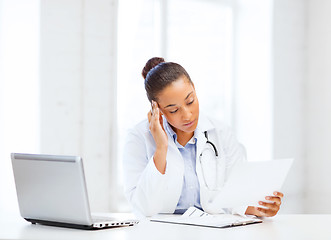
(251,182)
(196,217)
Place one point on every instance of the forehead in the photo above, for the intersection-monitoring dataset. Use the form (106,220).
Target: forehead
(176,92)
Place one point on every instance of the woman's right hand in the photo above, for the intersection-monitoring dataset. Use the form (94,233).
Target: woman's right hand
(156,126)
(160,137)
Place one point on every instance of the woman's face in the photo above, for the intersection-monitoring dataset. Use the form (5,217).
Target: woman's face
(179,104)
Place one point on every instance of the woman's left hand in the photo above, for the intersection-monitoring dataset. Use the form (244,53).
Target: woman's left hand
(269,208)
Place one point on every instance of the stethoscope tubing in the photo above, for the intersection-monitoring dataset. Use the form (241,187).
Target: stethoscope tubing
(212,144)
(216,161)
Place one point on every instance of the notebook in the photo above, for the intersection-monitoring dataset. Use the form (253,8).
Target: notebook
(51,190)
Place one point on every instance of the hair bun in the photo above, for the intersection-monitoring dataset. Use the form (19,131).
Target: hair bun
(151,63)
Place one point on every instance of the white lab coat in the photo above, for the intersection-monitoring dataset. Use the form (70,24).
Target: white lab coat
(151,192)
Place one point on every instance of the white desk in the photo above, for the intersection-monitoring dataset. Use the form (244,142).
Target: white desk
(289,227)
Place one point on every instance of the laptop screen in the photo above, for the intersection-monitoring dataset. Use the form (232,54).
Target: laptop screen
(51,188)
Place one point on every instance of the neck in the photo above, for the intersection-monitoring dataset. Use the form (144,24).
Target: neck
(184,137)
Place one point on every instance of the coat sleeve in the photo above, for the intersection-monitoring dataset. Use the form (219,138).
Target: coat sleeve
(144,184)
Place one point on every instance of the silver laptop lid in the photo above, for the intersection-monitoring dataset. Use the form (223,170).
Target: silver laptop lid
(51,188)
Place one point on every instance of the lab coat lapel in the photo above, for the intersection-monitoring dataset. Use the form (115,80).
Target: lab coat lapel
(205,193)
(203,125)
(201,141)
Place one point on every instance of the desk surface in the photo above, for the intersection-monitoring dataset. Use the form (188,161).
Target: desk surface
(291,227)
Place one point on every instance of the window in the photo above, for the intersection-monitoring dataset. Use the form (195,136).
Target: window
(200,38)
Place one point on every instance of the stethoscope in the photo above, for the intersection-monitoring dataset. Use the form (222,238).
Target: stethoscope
(202,162)
(212,144)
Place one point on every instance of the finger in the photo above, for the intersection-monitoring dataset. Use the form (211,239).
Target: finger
(155,107)
(156,118)
(260,212)
(265,212)
(278,194)
(272,206)
(161,120)
(276,200)
(149,115)
(152,107)
(153,118)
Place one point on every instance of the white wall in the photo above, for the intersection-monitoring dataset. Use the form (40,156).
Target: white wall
(253,78)
(302,107)
(318,108)
(19,128)
(289,32)
(78,95)
(78,89)
(270,89)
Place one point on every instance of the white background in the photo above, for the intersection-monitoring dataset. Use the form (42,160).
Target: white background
(60,70)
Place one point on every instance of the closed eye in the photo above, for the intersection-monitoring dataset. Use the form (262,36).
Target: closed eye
(174,111)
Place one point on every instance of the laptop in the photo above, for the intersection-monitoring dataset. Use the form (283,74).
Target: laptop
(51,190)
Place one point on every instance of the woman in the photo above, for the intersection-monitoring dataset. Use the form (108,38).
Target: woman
(162,159)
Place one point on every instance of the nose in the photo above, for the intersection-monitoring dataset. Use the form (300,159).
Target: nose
(186,114)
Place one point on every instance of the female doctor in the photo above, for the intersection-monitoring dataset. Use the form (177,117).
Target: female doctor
(180,158)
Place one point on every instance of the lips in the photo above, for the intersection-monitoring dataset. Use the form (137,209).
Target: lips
(189,124)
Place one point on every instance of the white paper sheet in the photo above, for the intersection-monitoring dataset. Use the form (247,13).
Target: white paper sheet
(251,182)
